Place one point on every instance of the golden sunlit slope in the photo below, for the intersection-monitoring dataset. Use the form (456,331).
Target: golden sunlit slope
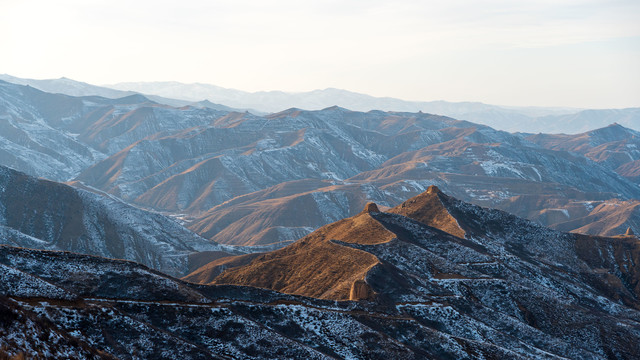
(608,218)
(428,209)
(314,266)
(401,256)
(208,272)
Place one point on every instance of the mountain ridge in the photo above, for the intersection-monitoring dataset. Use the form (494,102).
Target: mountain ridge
(510,118)
(387,274)
(481,232)
(507,288)
(522,271)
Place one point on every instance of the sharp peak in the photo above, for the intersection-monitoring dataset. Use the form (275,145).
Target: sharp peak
(614,129)
(431,191)
(614,125)
(431,208)
(334,108)
(611,126)
(134,98)
(290,112)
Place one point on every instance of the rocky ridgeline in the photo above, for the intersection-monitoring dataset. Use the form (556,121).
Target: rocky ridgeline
(502,273)
(508,289)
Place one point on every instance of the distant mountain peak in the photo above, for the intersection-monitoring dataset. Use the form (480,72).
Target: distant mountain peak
(612,132)
(335,108)
(290,112)
(134,99)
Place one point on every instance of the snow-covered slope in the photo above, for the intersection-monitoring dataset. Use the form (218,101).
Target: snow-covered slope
(614,146)
(32,141)
(43,214)
(199,168)
(499,294)
(56,136)
(377,156)
(123,310)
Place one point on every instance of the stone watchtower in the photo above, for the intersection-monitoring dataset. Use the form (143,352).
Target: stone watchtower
(629,232)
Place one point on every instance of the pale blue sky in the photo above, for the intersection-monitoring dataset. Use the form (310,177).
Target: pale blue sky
(579,53)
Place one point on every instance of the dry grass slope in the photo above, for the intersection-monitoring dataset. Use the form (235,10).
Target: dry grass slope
(314,266)
(428,209)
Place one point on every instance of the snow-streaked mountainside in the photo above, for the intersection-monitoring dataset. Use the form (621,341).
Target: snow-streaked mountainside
(241,178)
(32,138)
(56,136)
(41,214)
(508,118)
(614,146)
(419,275)
(396,284)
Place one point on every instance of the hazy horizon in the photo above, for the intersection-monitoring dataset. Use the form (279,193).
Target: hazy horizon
(572,53)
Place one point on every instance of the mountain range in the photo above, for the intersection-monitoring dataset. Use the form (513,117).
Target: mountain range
(243,179)
(507,118)
(75,88)
(146,227)
(431,278)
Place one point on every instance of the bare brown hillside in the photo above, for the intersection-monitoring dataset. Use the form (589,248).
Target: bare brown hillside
(314,266)
(436,238)
(607,218)
(429,210)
